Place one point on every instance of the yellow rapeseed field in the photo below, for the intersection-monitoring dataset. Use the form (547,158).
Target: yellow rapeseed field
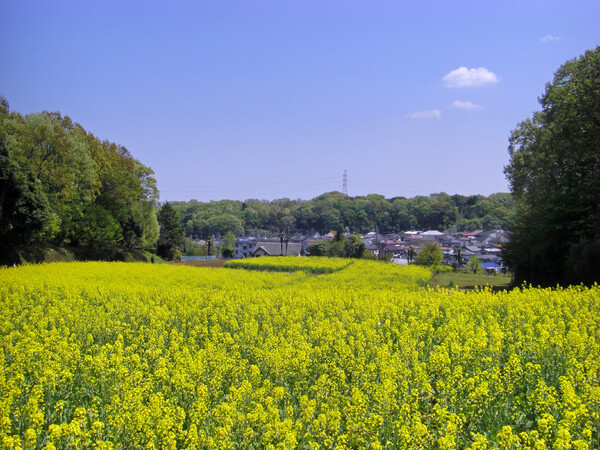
(327,355)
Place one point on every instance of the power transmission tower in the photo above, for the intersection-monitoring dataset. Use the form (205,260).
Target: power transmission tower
(345,183)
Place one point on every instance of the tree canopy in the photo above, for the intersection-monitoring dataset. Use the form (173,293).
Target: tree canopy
(171,233)
(61,184)
(334,210)
(554,176)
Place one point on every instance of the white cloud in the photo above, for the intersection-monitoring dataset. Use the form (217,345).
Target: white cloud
(464,105)
(463,77)
(550,38)
(433,114)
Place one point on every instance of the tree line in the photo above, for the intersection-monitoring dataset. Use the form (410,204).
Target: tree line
(61,185)
(334,210)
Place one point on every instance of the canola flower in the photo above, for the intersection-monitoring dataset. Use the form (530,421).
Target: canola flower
(114,355)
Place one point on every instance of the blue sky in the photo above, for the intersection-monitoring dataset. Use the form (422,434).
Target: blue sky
(272,99)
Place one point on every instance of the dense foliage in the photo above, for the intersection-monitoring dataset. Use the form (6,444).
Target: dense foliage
(171,236)
(431,255)
(333,210)
(113,355)
(340,247)
(61,184)
(554,174)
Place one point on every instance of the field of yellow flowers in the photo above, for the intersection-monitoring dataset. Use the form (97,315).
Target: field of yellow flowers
(327,355)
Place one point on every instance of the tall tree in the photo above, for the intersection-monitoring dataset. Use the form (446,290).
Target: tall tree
(553,174)
(171,232)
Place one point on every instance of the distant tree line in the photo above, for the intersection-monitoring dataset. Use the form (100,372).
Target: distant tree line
(335,210)
(62,186)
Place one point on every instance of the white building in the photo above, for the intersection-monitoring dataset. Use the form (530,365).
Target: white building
(242,248)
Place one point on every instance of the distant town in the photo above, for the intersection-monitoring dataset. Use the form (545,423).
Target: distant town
(400,248)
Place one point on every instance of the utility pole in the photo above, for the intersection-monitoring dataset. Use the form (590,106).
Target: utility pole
(281,241)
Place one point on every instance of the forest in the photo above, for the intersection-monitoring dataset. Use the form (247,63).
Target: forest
(333,210)
(61,186)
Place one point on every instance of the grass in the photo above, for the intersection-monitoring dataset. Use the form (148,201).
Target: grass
(469,281)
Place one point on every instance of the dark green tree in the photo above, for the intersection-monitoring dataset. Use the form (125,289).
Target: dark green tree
(171,233)
(317,248)
(354,247)
(24,209)
(227,245)
(554,176)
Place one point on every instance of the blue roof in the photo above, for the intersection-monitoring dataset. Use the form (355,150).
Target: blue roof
(490,265)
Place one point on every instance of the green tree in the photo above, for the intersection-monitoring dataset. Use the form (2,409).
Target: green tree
(317,248)
(430,255)
(227,245)
(224,223)
(354,247)
(100,231)
(171,232)
(24,209)
(553,174)
(474,264)
(60,185)
(192,248)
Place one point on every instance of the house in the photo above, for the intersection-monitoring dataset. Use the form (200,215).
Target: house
(275,249)
(451,255)
(396,249)
(372,248)
(451,242)
(491,258)
(432,235)
(475,249)
(491,267)
(491,251)
(472,234)
(492,237)
(242,248)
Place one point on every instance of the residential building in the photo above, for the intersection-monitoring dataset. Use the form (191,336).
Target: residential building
(275,249)
(243,248)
